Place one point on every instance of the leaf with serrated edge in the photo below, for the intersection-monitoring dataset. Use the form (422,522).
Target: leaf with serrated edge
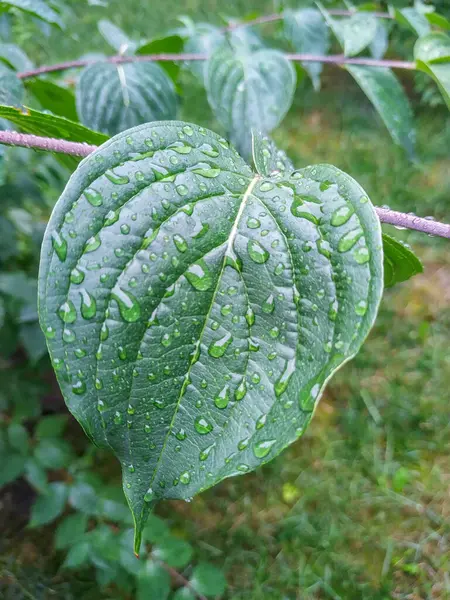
(113,98)
(194,310)
(400,262)
(249,90)
(432,54)
(385,92)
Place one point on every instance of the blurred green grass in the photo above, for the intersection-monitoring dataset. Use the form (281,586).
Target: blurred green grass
(359,508)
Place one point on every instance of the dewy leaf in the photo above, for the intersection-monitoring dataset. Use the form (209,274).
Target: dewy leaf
(432,54)
(37,8)
(113,98)
(307,32)
(195,310)
(116,38)
(400,262)
(411,18)
(383,89)
(269,161)
(249,91)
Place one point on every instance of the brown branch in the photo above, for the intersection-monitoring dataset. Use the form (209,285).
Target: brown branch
(386,215)
(337,59)
(182,580)
(12,138)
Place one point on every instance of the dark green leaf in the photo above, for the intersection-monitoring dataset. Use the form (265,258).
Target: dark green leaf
(249,91)
(400,262)
(78,555)
(155,530)
(432,54)
(269,161)
(116,37)
(113,98)
(13,465)
(153,582)
(18,437)
(307,32)
(210,268)
(208,580)
(59,100)
(170,44)
(50,505)
(173,551)
(2,312)
(411,18)
(15,57)
(71,530)
(383,89)
(36,475)
(39,123)
(438,20)
(51,426)
(53,453)
(11,88)
(37,8)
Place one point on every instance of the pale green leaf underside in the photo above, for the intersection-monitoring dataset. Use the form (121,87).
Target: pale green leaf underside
(112,98)
(249,91)
(195,310)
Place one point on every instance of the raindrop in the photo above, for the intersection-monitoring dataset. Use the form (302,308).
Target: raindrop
(50,333)
(243,443)
(348,240)
(59,245)
(104,332)
(274,332)
(209,150)
(68,336)
(117,418)
(226,309)
(253,223)
(93,197)
(80,353)
(218,348)
(79,387)
(125,229)
(180,243)
(188,130)
(182,190)
(250,316)
(257,252)
(283,381)
(262,449)
(128,305)
(185,477)
(181,434)
(67,312)
(88,305)
(206,452)
(166,340)
(92,244)
(266,186)
(199,276)
(223,397)
(362,255)
(209,173)
(269,304)
(76,276)
(341,215)
(261,421)
(361,308)
(202,426)
(116,179)
(241,390)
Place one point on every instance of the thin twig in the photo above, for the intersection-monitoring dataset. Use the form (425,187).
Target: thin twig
(182,580)
(12,138)
(337,59)
(386,215)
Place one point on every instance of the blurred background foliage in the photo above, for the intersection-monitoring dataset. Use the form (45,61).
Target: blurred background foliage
(359,508)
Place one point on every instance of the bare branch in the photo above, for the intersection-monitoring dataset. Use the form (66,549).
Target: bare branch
(12,138)
(181,579)
(390,217)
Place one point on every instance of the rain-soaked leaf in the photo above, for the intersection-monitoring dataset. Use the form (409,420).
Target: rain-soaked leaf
(194,310)
(268,159)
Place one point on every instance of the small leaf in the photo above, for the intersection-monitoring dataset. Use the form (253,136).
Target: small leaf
(11,88)
(37,8)
(36,475)
(18,437)
(307,32)
(153,582)
(32,341)
(380,42)
(13,465)
(358,32)
(432,54)
(77,555)
(19,286)
(249,91)
(116,37)
(210,270)
(269,161)
(83,498)
(50,426)
(49,506)
(383,89)
(173,551)
(70,531)
(208,580)
(438,20)
(53,453)
(113,98)
(411,18)
(400,262)
(15,57)
(59,100)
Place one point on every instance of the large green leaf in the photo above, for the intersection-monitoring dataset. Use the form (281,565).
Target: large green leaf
(37,8)
(400,262)
(195,310)
(249,90)
(112,98)
(40,123)
(353,33)
(307,32)
(385,92)
(432,54)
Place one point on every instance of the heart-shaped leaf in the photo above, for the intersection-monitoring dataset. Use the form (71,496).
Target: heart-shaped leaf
(195,310)
(432,54)
(307,32)
(112,98)
(249,90)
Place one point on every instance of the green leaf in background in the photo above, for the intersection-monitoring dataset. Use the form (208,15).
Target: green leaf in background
(116,37)
(13,465)
(411,18)
(184,593)
(358,32)
(379,45)
(2,312)
(11,88)
(113,98)
(18,437)
(36,475)
(50,426)
(208,581)
(77,555)
(201,38)
(37,8)
(170,44)
(15,57)
(18,285)
(53,97)
(40,123)
(432,54)
(268,160)
(49,506)
(249,91)
(153,582)
(33,341)
(71,530)
(197,314)
(438,20)
(307,32)
(400,262)
(173,551)
(385,92)
(53,453)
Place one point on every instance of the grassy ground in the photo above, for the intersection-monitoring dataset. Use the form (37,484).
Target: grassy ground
(359,508)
